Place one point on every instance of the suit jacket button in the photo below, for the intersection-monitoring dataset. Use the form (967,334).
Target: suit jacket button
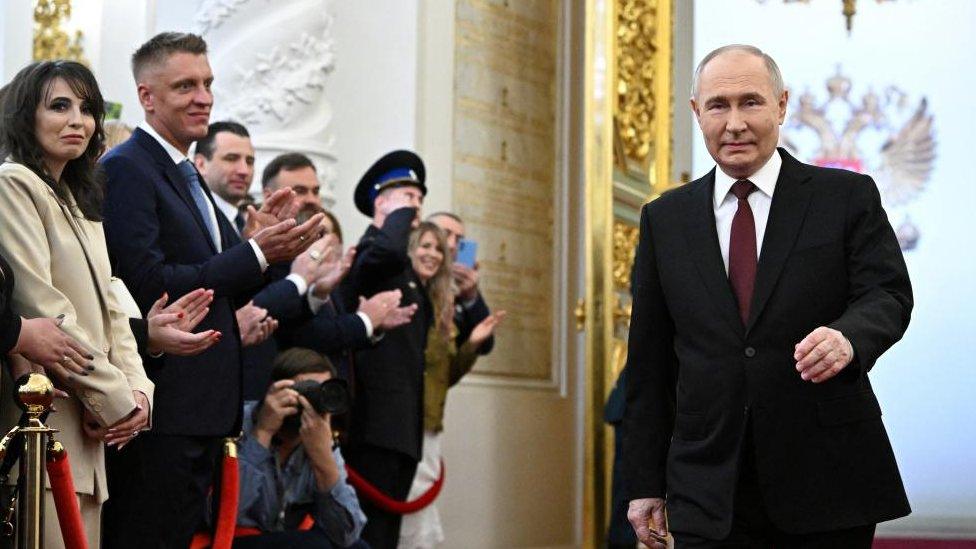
(750,352)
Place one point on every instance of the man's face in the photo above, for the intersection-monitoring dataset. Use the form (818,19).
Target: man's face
(177,99)
(303,181)
(453,230)
(738,112)
(230,171)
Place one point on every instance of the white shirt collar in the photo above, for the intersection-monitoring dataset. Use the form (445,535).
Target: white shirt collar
(229,210)
(764,179)
(172,151)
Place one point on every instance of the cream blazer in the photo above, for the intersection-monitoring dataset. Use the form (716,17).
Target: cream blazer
(60,263)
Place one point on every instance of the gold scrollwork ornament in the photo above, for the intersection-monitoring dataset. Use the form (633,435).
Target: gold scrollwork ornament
(50,40)
(636,20)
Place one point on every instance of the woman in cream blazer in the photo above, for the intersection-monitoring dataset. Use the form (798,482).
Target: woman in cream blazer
(50,210)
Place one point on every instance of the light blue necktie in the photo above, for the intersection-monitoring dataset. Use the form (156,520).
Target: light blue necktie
(196,191)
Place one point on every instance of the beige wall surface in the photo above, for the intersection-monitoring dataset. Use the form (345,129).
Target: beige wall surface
(511,448)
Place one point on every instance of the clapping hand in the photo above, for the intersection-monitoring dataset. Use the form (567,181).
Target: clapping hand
(170,328)
(281,205)
(255,324)
(284,240)
(486,328)
(324,265)
(384,312)
(333,269)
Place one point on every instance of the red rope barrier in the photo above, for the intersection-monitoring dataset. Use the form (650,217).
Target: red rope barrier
(229,494)
(65,500)
(388,504)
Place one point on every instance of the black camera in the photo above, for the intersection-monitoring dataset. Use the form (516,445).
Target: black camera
(331,396)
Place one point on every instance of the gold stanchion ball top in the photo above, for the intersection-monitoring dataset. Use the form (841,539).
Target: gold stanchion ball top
(37,393)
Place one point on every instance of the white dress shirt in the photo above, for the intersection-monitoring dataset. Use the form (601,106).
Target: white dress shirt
(726,204)
(229,210)
(178,157)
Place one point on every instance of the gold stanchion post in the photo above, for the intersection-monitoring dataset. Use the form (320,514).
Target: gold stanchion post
(36,397)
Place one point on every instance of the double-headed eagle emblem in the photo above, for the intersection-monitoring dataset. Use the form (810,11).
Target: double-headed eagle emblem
(899,155)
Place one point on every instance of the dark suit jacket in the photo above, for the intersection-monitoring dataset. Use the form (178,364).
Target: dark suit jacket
(466,318)
(331,331)
(158,243)
(697,376)
(388,399)
(9,320)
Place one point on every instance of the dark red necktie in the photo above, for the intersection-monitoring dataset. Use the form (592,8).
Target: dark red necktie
(742,248)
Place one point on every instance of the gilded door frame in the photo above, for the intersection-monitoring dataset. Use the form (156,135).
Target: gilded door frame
(603,312)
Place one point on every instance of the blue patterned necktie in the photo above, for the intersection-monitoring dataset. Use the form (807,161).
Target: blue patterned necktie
(196,191)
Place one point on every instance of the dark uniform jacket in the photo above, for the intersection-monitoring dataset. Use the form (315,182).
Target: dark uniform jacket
(698,376)
(388,399)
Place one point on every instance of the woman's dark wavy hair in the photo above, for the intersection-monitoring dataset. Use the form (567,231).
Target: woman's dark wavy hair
(18,139)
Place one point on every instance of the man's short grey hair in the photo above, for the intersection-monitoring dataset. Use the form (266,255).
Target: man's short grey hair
(775,77)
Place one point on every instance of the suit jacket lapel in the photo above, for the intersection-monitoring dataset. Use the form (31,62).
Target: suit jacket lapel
(703,239)
(175,179)
(85,244)
(790,200)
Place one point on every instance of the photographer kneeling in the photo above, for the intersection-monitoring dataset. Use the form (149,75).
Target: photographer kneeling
(289,468)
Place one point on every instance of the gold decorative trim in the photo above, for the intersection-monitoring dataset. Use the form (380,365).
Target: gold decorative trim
(598,136)
(624,248)
(636,67)
(50,40)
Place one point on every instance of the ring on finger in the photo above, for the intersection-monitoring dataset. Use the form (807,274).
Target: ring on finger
(315,255)
(65,359)
(301,238)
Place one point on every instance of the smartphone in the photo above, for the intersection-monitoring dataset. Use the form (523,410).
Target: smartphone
(466,252)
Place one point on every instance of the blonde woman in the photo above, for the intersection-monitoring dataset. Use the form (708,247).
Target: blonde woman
(444,365)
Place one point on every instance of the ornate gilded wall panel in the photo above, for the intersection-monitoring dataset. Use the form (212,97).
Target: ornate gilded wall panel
(640,50)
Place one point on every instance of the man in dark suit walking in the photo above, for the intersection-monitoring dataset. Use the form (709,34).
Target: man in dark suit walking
(387,414)
(165,235)
(764,293)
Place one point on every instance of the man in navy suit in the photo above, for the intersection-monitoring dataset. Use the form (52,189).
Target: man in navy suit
(764,293)
(165,235)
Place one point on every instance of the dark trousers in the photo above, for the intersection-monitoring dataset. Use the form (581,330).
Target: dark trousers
(752,527)
(392,473)
(158,486)
(620,534)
